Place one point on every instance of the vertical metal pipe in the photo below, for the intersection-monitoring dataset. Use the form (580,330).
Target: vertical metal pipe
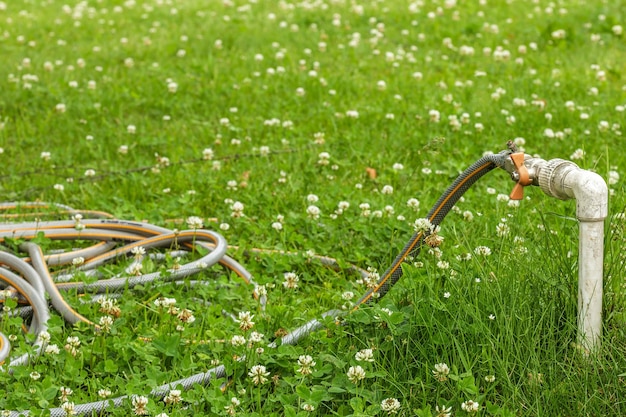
(590,263)
(563,180)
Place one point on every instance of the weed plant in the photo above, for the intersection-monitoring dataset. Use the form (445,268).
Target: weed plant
(322,127)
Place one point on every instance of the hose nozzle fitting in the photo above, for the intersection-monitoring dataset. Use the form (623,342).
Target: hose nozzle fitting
(552,176)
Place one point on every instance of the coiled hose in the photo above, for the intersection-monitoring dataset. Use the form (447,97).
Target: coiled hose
(36,281)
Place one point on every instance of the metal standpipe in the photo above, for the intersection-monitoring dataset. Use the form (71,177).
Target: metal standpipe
(564,180)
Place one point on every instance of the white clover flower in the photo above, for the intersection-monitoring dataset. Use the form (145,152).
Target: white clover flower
(207,154)
(364,355)
(443,411)
(261,290)
(72,345)
(434,116)
(104,393)
(106,322)
(603,126)
(470,406)
(387,189)
(245,320)
(165,302)
(323,158)
(230,408)
(468,215)
(313,212)
(65,392)
(372,278)
(482,250)
(52,350)
(502,229)
(138,252)
(135,269)
(291,280)
(186,316)
(305,363)
(173,397)
(258,374)
(347,295)
(256,337)
(237,209)
(68,408)
(441,372)
(312,198)
(238,340)
(386,311)
(307,407)
(578,154)
(390,405)
(194,222)
(139,405)
(35,375)
(356,374)
(423,225)
(413,203)
(43,337)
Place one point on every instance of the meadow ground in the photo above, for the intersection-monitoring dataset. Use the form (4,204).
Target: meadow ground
(328,128)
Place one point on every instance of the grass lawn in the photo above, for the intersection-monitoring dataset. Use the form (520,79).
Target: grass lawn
(304,130)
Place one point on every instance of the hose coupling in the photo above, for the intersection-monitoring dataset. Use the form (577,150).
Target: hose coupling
(523,169)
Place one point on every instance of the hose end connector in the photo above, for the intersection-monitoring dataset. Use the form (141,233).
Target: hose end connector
(551,177)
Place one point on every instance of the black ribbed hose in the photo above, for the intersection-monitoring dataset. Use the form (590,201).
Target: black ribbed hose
(436,215)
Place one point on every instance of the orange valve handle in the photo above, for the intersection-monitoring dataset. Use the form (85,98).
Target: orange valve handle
(523,176)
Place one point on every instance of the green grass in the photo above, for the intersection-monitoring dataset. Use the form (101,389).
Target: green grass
(517,323)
